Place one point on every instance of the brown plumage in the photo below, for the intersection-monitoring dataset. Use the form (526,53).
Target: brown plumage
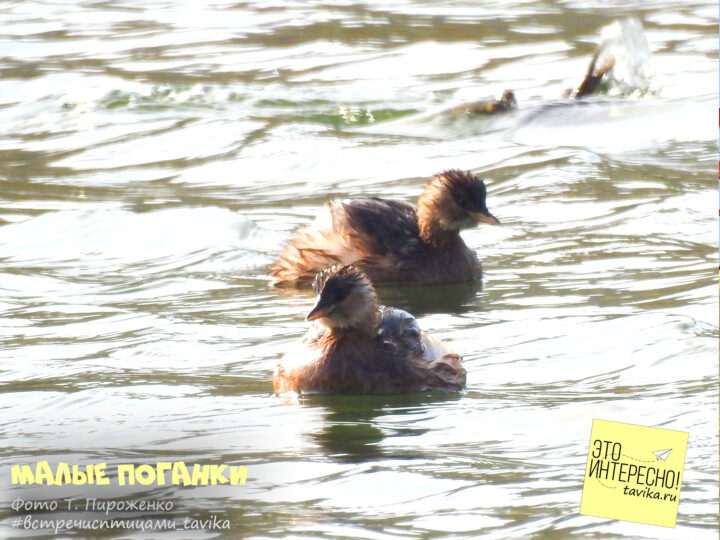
(391,240)
(595,73)
(358,347)
(507,102)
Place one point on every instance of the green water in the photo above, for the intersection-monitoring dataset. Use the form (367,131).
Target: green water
(154,160)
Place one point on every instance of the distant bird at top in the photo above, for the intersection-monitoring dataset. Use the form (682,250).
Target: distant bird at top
(507,102)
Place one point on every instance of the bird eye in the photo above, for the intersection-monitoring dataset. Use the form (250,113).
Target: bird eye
(339,294)
(463,201)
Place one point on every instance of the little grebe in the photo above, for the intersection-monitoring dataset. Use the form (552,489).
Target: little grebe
(598,71)
(392,241)
(506,103)
(601,65)
(356,346)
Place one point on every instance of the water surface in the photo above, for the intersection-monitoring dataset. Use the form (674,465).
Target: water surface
(154,160)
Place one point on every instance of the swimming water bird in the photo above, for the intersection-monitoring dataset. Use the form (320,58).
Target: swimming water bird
(391,240)
(507,102)
(597,75)
(600,66)
(356,346)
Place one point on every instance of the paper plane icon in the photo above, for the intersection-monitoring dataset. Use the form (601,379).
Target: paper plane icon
(662,454)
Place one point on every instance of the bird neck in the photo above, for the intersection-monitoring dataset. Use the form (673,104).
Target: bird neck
(366,325)
(434,224)
(433,232)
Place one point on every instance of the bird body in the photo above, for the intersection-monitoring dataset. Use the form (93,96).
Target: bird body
(355,346)
(393,241)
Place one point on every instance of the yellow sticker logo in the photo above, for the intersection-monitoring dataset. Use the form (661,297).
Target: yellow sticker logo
(634,473)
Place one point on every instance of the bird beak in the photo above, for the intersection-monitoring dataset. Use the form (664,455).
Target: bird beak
(318,312)
(487,217)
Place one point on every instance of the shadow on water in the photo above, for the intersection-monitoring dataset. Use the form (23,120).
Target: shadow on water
(351,432)
(424,300)
(416,299)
